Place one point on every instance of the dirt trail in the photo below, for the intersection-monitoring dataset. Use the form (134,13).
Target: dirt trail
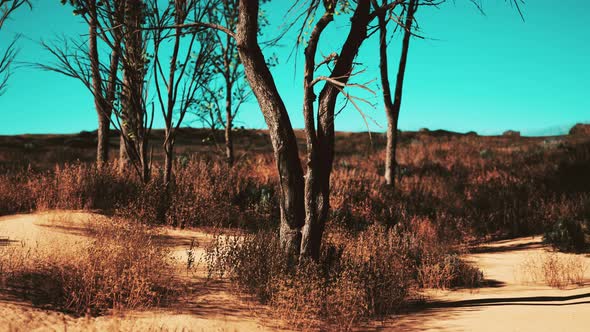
(512,302)
(210,307)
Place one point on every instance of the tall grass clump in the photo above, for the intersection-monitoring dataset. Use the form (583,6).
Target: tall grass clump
(370,274)
(81,186)
(206,193)
(554,269)
(15,195)
(121,268)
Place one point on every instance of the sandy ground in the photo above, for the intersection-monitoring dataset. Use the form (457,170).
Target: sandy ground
(211,306)
(514,301)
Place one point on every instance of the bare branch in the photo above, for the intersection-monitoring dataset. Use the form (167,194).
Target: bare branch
(5,63)
(7,7)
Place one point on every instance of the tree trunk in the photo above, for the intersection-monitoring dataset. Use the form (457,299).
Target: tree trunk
(102,149)
(291,183)
(169,158)
(170,130)
(124,158)
(392,109)
(229,144)
(145,162)
(319,207)
(309,242)
(134,114)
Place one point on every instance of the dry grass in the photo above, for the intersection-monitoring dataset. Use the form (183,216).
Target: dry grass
(468,186)
(120,268)
(379,244)
(554,269)
(369,274)
(448,272)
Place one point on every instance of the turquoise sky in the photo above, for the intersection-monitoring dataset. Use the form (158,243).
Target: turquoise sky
(484,73)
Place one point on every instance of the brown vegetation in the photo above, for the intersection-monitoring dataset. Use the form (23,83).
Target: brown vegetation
(488,187)
(101,275)
(580,129)
(554,269)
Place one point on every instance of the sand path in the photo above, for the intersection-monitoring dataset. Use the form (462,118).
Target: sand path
(513,302)
(210,307)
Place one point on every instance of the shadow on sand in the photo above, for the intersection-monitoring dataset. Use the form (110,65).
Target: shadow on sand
(499,301)
(506,248)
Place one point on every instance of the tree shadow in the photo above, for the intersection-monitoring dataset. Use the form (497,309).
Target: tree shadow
(69,229)
(426,316)
(492,283)
(506,248)
(502,301)
(6,241)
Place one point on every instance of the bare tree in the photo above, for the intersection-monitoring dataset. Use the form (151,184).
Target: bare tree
(120,101)
(7,7)
(188,70)
(134,118)
(392,107)
(227,64)
(304,199)
(83,61)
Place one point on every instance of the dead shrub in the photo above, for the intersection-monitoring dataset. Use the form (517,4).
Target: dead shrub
(251,261)
(554,269)
(355,279)
(15,196)
(448,271)
(81,186)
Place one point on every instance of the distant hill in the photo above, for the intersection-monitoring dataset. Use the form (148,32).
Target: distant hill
(580,129)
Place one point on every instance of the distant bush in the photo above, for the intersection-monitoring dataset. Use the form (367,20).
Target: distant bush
(202,194)
(580,129)
(15,195)
(567,235)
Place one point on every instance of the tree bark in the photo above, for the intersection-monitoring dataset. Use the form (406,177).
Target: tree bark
(102,149)
(229,144)
(309,240)
(134,113)
(169,135)
(124,158)
(168,160)
(291,183)
(102,110)
(392,108)
(318,207)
